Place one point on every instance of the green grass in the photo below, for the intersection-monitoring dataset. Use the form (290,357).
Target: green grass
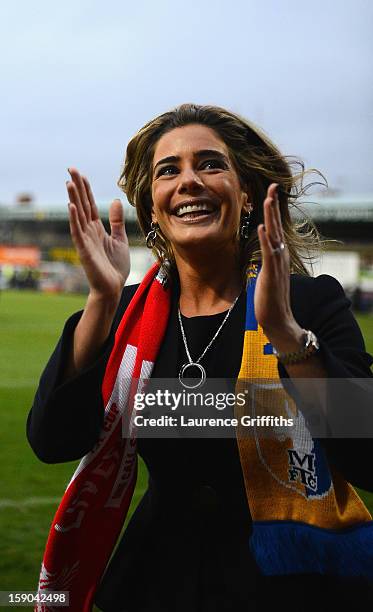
(30,325)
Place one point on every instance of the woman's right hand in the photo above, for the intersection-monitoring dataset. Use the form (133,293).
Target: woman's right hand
(105,258)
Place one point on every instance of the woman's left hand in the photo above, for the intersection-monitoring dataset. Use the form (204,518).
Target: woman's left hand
(272,293)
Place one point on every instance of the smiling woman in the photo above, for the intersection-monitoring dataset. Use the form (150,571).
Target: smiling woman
(201,176)
(224,150)
(226,523)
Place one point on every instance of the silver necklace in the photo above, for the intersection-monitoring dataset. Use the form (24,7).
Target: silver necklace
(196,363)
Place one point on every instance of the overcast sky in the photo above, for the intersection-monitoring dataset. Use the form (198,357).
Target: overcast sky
(80,77)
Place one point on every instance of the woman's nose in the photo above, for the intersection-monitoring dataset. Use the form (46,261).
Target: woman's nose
(189,181)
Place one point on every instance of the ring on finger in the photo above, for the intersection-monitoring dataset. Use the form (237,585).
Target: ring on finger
(279,248)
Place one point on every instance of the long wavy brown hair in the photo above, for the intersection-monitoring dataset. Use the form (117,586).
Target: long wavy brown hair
(258,163)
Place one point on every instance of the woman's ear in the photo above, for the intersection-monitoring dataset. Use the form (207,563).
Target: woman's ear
(246,200)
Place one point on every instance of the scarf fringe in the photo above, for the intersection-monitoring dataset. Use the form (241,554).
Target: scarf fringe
(289,547)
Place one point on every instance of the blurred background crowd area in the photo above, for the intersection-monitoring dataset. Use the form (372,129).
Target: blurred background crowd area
(36,251)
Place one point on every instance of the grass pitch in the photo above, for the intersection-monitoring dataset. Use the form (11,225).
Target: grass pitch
(30,325)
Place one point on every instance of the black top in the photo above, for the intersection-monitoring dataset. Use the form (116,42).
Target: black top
(186,546)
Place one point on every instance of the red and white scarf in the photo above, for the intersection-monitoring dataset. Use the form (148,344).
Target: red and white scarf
(95,504)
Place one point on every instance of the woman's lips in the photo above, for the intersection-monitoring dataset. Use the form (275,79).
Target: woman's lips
(196,217)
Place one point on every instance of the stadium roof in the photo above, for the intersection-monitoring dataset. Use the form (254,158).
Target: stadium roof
(341,208)
(52,213)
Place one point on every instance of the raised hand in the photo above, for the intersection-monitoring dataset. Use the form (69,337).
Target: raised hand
(105,258)
(272,293)
(272,298)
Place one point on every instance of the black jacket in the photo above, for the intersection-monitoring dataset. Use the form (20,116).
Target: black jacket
(64,424)
(318,304)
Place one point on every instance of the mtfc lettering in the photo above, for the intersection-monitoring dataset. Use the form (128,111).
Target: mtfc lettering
(302,468)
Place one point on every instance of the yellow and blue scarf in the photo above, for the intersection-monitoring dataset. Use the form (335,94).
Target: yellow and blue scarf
(306,517)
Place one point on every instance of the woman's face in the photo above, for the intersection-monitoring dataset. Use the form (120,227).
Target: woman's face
(197,196)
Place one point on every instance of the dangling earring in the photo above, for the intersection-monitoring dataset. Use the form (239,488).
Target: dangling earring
(245,225)
(152,235)
(165,271)
(165,266)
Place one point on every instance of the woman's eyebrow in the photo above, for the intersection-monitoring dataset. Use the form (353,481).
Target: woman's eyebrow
(211,153)
(199,154)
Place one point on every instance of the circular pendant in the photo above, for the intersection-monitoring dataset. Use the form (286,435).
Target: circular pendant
(199,382)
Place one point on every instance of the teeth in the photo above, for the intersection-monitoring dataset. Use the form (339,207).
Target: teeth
(191,208)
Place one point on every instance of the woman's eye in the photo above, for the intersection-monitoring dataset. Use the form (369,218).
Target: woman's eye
(213,163)
(167,170)
(209,164)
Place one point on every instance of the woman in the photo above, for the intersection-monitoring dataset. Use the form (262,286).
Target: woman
(214,528)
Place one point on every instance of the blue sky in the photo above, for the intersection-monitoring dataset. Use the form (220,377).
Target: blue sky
(79,78)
